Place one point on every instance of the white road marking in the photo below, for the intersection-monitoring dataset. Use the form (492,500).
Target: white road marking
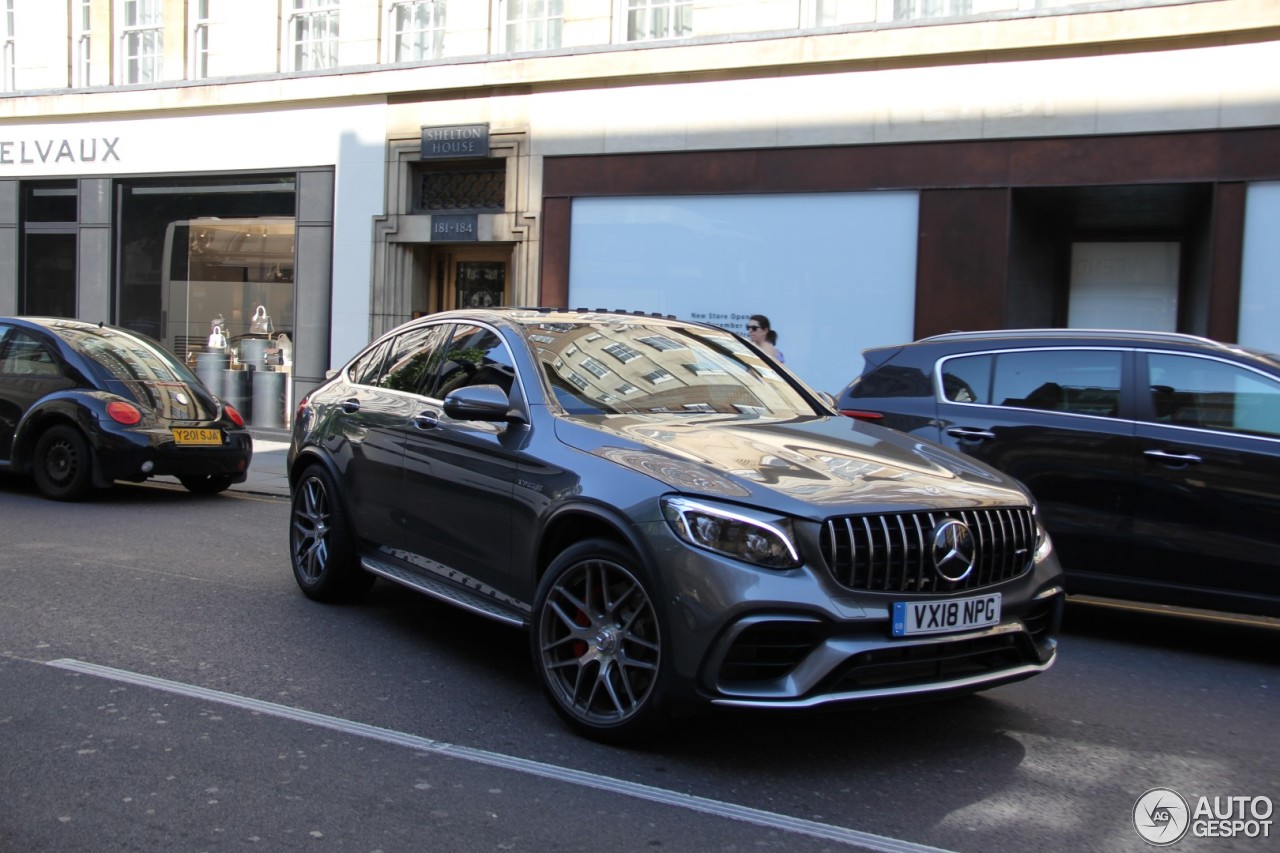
(771,820)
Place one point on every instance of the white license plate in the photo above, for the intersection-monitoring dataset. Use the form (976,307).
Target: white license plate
(948,614)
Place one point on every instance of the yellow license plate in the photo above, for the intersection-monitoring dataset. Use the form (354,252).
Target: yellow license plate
(204,437)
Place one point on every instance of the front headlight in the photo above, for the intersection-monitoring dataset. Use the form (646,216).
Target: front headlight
(1044,545)
(734,532)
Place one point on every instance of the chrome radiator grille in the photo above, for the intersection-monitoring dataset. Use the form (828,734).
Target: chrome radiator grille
(894,552)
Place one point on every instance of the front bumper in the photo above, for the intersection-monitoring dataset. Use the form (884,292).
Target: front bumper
(754,637)
(781,661)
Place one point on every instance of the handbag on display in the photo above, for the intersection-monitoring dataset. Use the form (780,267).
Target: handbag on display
(217,340)
(260,323)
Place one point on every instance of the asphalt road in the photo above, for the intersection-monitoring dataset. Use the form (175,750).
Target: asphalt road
(164,686)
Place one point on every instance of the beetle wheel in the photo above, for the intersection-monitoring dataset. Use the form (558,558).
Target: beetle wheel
(63,464)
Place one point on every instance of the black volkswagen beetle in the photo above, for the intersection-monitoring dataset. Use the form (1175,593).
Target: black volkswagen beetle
(85,404)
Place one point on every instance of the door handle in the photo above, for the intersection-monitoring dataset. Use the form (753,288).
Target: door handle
(1173,458)
(351,406)
(970,433)
(426,420)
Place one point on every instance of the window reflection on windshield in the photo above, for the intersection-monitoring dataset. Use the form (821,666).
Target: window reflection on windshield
(605,368)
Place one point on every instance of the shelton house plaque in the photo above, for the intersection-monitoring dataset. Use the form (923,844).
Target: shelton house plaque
(455,140)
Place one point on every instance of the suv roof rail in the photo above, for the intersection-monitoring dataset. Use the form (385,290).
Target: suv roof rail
(1078,333)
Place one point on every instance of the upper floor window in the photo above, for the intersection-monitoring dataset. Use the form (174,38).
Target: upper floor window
(909,10)
(198,20)
(10,63)
(142,40)
(659,19)
(532,24)
(417,30)
(313,34)
(80,38)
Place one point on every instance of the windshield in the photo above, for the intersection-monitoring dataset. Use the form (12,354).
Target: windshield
(127,357)
(608,367)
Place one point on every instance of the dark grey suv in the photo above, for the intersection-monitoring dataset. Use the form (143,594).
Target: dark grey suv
(1155,457)
(674,518)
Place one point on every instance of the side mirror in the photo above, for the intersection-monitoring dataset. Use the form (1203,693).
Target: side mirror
(480,403)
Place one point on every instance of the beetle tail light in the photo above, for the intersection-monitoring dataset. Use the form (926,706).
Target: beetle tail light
(123,413)
(234,414)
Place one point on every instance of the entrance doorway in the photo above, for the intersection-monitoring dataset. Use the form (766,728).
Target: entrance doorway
(468,277)
(1111,256)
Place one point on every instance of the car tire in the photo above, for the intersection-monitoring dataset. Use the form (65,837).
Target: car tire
(63,464)
(321,546)
(597,643)
(206,484)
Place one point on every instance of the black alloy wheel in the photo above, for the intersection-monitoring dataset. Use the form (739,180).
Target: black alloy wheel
(597,644)
(206,484)
(321,547)
(63,464)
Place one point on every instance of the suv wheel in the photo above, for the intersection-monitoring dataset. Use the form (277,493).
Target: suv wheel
(597,643)
(321,547)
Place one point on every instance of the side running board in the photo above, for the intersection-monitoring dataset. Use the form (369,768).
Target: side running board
(445,592)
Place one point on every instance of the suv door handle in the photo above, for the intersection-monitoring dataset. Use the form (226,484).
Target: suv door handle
(1173,458)
(970,433)
(426,420)
(351,406)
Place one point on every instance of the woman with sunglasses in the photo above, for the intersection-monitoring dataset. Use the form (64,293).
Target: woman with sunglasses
(764,337)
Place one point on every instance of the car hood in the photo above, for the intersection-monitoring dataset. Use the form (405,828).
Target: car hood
(833,464)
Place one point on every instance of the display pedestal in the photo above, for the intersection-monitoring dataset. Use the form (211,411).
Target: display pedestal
(210,368)
(268,398)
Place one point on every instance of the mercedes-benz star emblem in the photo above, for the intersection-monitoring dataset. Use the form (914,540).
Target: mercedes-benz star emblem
(953,550)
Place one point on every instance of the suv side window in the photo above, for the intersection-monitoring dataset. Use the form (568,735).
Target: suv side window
(967,379)
(1188,390)
(475,356)
(415,358)
(367,369)
(1078,381)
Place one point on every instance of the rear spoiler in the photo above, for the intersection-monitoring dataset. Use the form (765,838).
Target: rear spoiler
(879,356)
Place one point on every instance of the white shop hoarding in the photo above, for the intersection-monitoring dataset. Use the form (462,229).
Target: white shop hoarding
(1259,295)
(182,141)
(350,138)
(834,272)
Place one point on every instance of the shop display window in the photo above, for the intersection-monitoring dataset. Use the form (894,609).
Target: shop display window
(207,268)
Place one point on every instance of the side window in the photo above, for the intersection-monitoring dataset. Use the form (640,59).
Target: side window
(475,356)
(24,356)
(967,379)
(415,358)
(366,369)
(1203,392)
(1080,381)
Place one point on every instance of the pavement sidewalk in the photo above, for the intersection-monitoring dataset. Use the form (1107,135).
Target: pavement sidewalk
(267,468)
